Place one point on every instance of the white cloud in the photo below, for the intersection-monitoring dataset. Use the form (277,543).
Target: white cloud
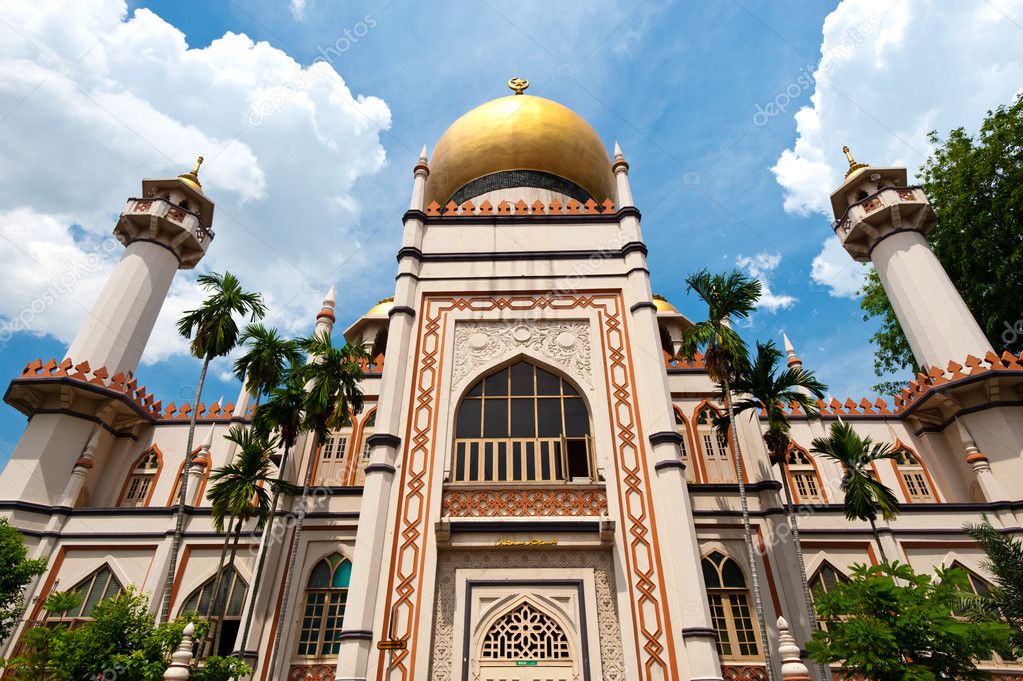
(890,73)
(834,268)
(760,267)
(93,99)
(297,8)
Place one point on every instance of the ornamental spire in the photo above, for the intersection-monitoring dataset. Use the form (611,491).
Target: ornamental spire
(193,174)
(854,165)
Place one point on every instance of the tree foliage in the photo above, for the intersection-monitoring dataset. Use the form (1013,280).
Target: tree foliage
(120,641)
(890,624)
(976,188)
(1004,599)
(16,571)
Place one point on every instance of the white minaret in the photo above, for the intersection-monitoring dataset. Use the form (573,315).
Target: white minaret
(168,229)
(881,219)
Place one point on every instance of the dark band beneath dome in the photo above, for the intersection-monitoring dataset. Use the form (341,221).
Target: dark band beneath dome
(508,179)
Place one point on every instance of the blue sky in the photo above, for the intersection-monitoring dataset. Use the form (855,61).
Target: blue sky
(314,195)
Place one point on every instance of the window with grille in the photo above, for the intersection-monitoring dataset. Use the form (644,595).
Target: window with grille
(525,633)
(99,586)
(716,455)
(330,469)
(803,478)
(227,609)
(683,430)
(730,608)
(326,594)
(914,478)
(522,424)
(140,480)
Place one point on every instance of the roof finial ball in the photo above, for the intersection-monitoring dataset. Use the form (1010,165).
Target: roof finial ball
(518,85)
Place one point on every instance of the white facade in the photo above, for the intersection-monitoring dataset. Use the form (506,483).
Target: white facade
(575,524)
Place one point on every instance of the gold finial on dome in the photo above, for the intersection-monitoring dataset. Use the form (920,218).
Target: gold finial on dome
(854,165)
(192,176)
(518,85)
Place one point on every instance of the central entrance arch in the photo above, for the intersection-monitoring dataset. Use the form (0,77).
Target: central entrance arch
(525,644)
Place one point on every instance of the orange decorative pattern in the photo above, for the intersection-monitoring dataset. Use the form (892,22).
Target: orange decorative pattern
(677,363)
(312,672)
(520,207)
(920,387)
(126,385)
(475,503)
(745,672)
(655,649)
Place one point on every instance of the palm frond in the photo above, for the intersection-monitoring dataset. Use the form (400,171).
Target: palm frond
(865,497)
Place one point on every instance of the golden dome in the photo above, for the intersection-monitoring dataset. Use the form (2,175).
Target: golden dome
(662,304)
(381,308)
(519,132)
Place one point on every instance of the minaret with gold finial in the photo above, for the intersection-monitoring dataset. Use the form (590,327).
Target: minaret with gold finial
(166,229)
(881,219)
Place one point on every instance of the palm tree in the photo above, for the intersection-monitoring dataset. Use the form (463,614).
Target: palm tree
(765,388)
(214,333)
(331,377)
(282,412)
(865,497)
(266,359)
(728,296)
(242,490)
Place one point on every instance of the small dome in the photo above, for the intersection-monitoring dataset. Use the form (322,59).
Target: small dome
(520,141)
(662,305)
(381,308)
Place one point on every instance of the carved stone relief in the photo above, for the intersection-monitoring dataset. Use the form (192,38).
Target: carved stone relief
(562,343)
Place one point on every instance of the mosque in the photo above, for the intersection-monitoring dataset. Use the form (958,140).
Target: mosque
(534,490)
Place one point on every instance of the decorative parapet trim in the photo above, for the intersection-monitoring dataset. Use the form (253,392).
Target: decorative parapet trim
(125,386)
(935,380)
(520,207)
(479,503)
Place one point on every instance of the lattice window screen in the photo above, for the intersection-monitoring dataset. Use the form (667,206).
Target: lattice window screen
(525,634)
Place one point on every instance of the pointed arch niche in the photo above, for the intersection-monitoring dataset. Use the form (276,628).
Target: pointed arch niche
(522,423)
(730,608)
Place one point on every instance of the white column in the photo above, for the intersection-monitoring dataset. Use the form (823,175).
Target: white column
(936,321)
(371,559)
(118,326)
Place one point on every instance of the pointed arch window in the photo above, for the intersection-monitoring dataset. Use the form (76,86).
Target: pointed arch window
(333,460)
(717,458)
(825,580)
(738,638)
(99,586)
(139,486)
(803,478)
(326,595)
(522,424)
(228,610)
(915,481)
(682,428)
